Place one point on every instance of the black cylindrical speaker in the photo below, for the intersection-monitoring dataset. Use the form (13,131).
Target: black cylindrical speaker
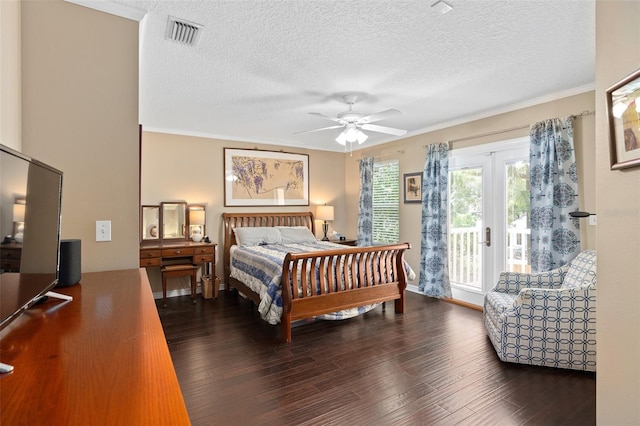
(70,269)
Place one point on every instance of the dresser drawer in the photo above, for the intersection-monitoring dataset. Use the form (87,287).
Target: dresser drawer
(10,253)
(10,264)
(146,254)
(202,258)
(177,252)
(204,250)
(152,261)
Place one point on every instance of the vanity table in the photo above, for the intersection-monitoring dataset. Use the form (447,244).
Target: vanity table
(178,252)
(171,239)
(176,259)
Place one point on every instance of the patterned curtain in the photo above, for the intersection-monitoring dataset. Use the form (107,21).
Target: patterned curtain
(554,193)
(365,208)
(434,264)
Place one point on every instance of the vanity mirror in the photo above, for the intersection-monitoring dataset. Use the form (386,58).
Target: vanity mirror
(150,223)
(174,220)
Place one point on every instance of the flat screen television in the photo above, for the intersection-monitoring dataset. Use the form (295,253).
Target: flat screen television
(30,204)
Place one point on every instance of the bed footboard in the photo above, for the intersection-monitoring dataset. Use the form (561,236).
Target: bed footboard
(372,274)
(332,280)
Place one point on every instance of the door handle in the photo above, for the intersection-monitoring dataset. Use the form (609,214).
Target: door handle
(487,237)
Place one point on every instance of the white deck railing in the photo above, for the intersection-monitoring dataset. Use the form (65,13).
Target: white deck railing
(465,254)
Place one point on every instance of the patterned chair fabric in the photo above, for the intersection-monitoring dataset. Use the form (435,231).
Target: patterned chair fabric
(547,318)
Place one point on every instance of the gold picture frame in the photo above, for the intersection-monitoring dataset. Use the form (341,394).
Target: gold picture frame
(623,115)
(255,177)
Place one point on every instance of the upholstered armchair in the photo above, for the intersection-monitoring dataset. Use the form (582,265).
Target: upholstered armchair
(548,318)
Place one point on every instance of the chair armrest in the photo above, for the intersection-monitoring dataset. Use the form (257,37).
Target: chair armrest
(555,302)
(513,282)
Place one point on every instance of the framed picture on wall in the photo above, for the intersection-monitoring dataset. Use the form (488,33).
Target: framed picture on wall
(255,177)
(623,115)
(413,187)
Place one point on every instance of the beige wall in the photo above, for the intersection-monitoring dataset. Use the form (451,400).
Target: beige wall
(618,208)
(10,73)
(80,115)
(190,169)
(412,156)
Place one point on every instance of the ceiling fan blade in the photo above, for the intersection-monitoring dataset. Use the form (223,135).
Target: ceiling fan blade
(383,129)
(379,116)
(336,119)
(317,130)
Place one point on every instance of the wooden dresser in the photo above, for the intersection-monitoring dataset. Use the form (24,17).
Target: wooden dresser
(100,359)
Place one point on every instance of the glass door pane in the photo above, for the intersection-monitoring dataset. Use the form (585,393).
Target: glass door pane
(488,201)
(518,231)
(465,228)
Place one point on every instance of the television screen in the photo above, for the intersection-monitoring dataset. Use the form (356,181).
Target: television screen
(30,203)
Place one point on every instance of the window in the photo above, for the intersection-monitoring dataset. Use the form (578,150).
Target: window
(386,202)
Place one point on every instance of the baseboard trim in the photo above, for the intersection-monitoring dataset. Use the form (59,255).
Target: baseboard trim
(465,304)
(181,292)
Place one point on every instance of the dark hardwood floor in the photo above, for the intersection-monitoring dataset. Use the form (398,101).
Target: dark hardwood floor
(433,365)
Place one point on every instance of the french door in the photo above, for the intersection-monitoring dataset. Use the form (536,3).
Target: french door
(488,216)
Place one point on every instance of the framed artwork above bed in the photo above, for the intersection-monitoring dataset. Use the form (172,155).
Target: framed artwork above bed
(255,177)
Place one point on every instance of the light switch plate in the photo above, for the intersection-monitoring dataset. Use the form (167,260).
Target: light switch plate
(103,230)
(593,220)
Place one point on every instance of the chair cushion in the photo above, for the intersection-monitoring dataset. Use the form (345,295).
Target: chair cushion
(582,270)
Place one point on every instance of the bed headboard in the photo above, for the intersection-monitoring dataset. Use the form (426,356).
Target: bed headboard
(237,220)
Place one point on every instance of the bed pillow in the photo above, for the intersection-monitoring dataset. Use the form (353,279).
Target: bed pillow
(257,235)
(296,234)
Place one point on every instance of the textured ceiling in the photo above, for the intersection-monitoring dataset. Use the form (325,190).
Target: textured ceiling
(262,66)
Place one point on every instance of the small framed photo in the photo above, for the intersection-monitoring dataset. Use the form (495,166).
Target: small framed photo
(413,187)
(623,116)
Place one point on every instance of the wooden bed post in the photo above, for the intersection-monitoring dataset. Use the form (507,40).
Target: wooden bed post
(285,291)
(402,285)
(285,327)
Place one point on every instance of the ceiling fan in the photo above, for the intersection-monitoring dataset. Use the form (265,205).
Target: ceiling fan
(354,122)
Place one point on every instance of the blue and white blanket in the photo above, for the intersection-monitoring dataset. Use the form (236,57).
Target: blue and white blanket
(260,268)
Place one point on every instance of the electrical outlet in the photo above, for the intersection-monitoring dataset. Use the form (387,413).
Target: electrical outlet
(103,230)
(593,220)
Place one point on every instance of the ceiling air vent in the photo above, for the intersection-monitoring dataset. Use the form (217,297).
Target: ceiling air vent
(184,32)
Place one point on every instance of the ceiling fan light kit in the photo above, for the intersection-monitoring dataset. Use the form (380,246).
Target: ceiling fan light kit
(354,122)
(351,134)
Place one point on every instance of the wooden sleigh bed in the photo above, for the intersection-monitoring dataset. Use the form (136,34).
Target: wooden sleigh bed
(373,274)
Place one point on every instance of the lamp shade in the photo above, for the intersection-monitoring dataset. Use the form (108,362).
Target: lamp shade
(18,212)
(196,217)
(324,212)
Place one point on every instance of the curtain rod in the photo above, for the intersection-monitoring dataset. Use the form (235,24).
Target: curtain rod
(511,129)
(400,151)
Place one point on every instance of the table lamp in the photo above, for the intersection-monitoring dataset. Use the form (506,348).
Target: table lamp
(196,220)
(18,221)
(324,213)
